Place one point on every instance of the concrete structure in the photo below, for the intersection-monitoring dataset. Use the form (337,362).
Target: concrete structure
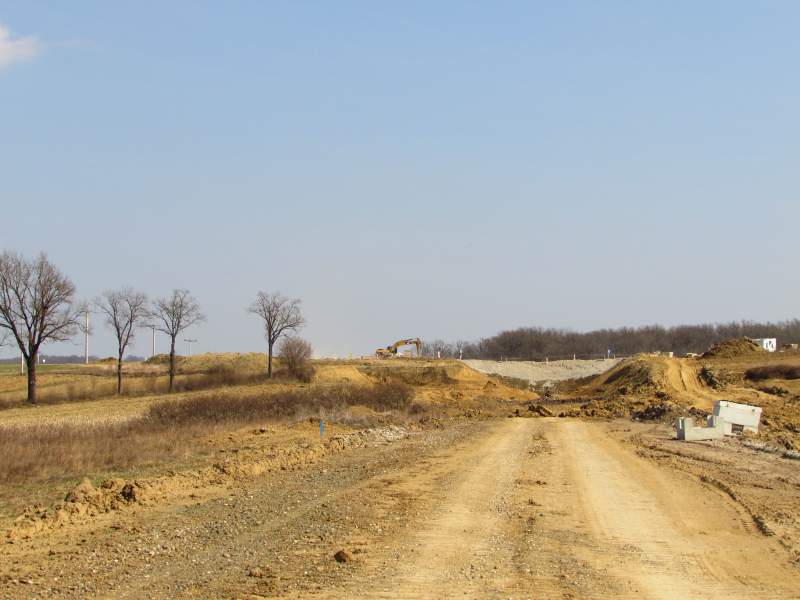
(715,429)
(768,344)
(729,418)
(742,417)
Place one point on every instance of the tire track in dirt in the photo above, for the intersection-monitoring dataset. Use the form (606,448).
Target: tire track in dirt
(553,508)
(668,534)
(684,381)
(463,547)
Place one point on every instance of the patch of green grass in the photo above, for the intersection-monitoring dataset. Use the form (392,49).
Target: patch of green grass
(13,368)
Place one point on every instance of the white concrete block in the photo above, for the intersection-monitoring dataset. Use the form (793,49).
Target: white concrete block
(688,432)
(742,417)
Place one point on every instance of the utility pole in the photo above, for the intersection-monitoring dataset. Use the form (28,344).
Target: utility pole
(21,363)
(190,342)
(153,327)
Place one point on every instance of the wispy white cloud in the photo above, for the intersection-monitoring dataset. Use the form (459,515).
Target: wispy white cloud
(13,50)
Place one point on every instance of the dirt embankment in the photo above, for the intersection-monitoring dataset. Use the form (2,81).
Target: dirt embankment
(659,388)
(645,386)
(241,456)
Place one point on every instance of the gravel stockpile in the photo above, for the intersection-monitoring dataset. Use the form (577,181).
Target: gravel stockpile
(538,372)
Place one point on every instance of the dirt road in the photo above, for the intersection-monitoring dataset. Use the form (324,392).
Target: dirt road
(555,508)
(515,508)
(684,382)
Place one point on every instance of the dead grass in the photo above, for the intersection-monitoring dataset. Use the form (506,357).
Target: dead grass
(134,385)
(246,408)
(37,452)
(409,373)
(169,429)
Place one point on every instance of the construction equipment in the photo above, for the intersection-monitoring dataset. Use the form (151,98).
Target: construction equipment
(391,351)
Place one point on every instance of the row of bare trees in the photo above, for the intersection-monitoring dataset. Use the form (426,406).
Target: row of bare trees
(127,310)
(38,304)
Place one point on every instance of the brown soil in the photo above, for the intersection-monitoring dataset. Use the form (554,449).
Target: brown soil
(516,508)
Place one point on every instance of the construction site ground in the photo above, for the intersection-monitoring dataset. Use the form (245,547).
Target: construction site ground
(475,503)
(516,508)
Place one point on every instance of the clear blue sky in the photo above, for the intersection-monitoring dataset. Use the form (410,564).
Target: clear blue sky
(442,169)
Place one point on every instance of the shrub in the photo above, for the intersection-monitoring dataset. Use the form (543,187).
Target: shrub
(296,354)
(773,372)
(245,408)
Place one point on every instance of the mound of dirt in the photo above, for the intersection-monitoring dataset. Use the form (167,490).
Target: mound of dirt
(643,388)
(160,359)
(632,377)
(408,374)
(334,373)
(734,348)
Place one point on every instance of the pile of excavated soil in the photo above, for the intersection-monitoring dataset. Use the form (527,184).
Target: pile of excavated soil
(734,348)
(636,376)
(409,374)
(333,373)
(541,372)
(640,388)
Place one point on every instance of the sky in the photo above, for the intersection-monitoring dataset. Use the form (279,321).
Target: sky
(432,169)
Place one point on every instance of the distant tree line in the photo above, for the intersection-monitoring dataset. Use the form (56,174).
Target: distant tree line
(538,343)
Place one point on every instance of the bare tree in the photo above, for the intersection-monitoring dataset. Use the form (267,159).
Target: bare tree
(280,315)
(125,310)
(37,305)
(171,316)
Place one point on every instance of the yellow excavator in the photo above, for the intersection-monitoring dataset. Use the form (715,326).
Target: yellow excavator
(390,351)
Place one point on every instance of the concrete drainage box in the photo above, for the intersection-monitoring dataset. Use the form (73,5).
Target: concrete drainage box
(742,417)
(715,429)
(728,418)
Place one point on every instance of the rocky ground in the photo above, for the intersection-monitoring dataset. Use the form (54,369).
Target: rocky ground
(543,372)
